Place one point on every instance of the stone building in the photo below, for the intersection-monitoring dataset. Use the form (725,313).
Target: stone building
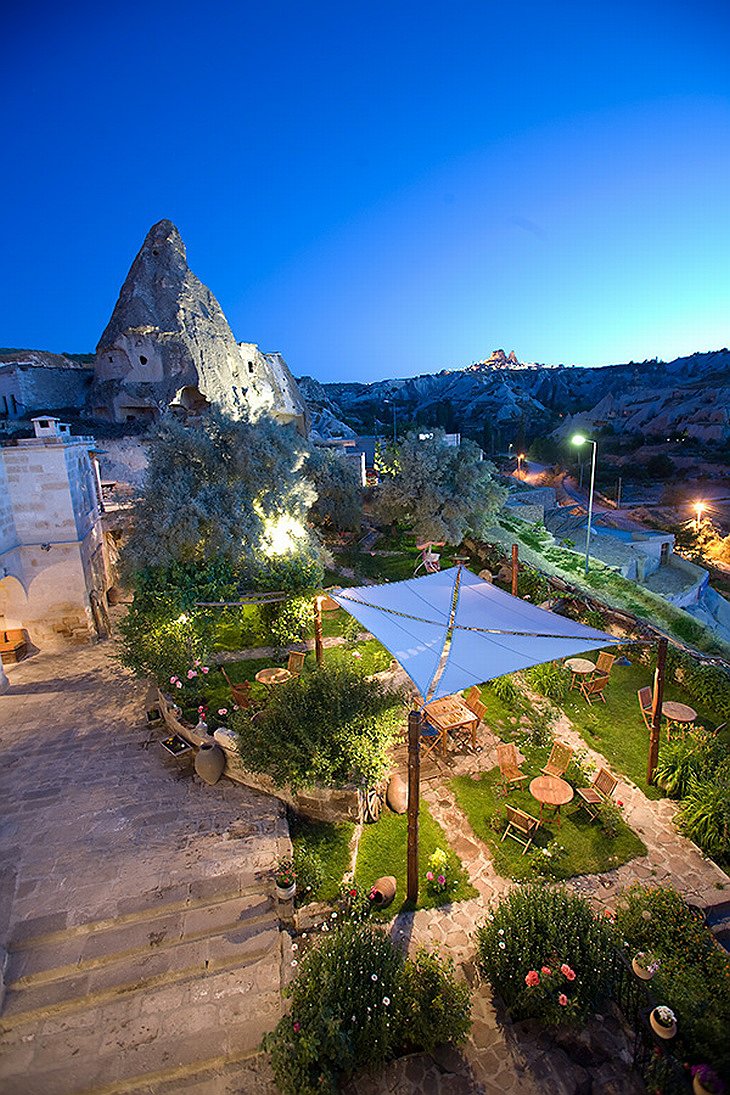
(53,568)
(32,381)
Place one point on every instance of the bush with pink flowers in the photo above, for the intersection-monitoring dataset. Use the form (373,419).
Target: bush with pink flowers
(546,955)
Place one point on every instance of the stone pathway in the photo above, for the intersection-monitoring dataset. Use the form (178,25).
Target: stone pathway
(144,946)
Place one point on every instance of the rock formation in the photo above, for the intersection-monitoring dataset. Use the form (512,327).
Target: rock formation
(168,343)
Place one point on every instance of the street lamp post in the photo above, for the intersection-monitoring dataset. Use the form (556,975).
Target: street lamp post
(699,507)
(520,458)
(391,403)
(579,439)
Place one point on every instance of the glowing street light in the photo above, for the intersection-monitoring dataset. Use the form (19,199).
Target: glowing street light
(580,439)
(699,510)
(391,402)
(520,458)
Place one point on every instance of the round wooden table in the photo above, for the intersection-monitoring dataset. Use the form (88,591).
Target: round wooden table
(680,713)
(273,676)
(579,667)
(551,791)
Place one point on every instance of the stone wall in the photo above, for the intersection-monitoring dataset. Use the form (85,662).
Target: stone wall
(26,387)
(317,804)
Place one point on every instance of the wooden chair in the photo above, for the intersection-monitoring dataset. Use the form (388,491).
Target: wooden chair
(474,695)
(559,759)
(604,663)
(521,827)
(479,710)
(600,790)
(295,663)
(508,766)
(241,693)
(592,689)
(430,737)
(645,701)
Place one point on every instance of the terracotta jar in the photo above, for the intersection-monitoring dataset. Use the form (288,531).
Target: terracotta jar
(382,891)
(210,762)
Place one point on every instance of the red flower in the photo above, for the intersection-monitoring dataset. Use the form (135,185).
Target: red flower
(532,978)
(353,893)
(562,999)
(546,970)
(567,972)
(296,1027)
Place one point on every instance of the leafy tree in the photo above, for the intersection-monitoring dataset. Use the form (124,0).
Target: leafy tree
(446,493)
(339,491)
(224,489)
(660,466)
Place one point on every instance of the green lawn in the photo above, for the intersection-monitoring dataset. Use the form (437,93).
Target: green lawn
(382,851)
(330,843)
(587,849)
(369,656)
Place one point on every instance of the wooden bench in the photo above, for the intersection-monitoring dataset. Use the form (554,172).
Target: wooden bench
(13,645)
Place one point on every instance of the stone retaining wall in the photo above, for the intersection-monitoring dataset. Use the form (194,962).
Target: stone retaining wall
(317,804)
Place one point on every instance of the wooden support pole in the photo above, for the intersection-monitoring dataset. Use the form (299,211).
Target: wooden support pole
(414,779)
(515,568)
(318,642)
(656,710)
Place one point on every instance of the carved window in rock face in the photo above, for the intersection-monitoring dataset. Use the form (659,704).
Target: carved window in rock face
(250,366)
(142,359)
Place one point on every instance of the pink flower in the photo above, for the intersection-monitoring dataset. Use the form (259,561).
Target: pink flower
(356,654)
(222,710)
(192,673)
(562,999)
(206,669)
(546,970)
(429,876)
(567,972)
(178,684)
(173,680)
(197,661)
(201,710)
(441,880)
(532,978)
(296,1027)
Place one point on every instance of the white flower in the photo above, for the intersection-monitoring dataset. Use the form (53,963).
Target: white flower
(373,976)
(501,931)
(503,945)
(295,946)
(294,962)
(386,1000)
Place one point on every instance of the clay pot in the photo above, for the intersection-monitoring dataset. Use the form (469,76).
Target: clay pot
(660,1030)
(383,891)
(210,762)
(699,1088)
(397,794)
(640,972)
(285,893)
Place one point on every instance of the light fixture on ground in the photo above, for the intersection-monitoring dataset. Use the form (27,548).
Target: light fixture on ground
(699,510)
(580,439)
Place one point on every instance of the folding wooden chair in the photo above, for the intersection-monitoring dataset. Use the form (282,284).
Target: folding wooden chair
(241,693)
(645,702)
(430,737)
(508,767)
(604,663)
(600,790)
(479,710)
(295,663)
(559,760)
(521,827)
(592,689)
(474,695)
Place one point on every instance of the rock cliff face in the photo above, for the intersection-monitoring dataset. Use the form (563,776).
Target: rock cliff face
(498,399)
(169,343)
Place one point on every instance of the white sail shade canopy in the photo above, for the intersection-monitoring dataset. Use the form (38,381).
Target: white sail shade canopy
(491,632)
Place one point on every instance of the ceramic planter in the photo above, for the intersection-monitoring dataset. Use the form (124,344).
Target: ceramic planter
(659,1029)
(699,1088)
(210,762)
(397,794)
(383,891)
(286,893)
(640,972)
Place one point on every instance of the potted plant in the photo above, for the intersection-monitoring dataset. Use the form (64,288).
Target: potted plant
(645,965)
(705,1081)
(663,1022)
(285,880)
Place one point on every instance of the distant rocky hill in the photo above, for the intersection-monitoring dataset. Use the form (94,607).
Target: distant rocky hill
(168,343)
(501,399)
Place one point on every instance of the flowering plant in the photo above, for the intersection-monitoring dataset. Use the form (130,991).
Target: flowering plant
(647,961)
(664,1015)
(285,875)
(709,1079)
(437,873)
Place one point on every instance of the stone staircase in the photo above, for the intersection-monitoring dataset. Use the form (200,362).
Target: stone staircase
(181,985)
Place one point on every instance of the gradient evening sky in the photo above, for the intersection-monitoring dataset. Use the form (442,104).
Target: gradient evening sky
(377,190)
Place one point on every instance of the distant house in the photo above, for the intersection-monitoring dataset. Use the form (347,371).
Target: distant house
(27,386)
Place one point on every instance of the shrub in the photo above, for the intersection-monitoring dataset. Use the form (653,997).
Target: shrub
(288,621)
(531,585)
(705,813)
(310,874)
(678,763)
(609,818)
(331,728)
(549,680)
(504,689)
(351,630)
(356,1002)
(694,972)
(534,930)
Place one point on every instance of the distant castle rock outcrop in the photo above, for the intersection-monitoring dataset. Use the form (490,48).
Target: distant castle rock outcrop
(168,343)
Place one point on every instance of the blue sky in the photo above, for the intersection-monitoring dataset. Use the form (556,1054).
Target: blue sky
(377,190)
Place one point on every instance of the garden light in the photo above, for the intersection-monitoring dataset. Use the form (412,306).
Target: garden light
(580,439)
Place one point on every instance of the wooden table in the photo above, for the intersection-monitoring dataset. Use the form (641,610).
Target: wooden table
(579,667)
(680,713)
(273,676)
(551,791)
(451,713)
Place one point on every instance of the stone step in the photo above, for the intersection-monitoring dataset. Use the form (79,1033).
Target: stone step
(232,949)
(81,952)
(128,1046)
(200,893)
